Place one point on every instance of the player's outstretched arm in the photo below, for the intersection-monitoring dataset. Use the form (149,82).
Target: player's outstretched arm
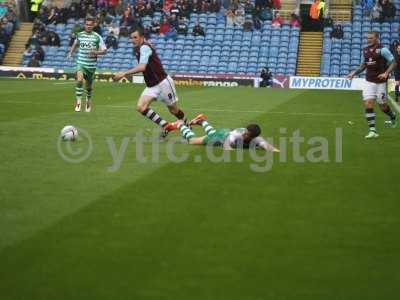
(138,69)
(357,71)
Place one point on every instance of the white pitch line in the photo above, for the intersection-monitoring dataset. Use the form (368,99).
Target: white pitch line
(68,82)
(394,103)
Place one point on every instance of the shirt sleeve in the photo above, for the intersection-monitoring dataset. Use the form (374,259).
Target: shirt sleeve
(145,52)
(102,45)
(385,52)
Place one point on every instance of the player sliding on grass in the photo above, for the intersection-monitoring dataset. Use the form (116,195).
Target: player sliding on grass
(376,59)
(90,46)
(159,85)
(230,139)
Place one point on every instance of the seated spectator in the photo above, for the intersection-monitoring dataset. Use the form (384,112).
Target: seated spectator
(139,8)
(175,10)
(38,52)
(266,78)
(114,29)
(34,63)
(34,39)
(182,26)
(148,10)
(28,53)
(195,7)
(265,14)
(215,6)
(276,4)
(203,6)
(230,17)
(248,7)
(52,16)
(337,32)
(8,26)
(239,17)
(185,11)
(388,10)
(164,26)
(248,25)
(111,41)
(173,21)
(171,34)
(126,20)
(155,27)
(277,20)
(197,30)
(54,39)
(294,21)
(376,12)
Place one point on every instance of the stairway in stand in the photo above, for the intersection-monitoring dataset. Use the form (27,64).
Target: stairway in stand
(309,56)
(16,48)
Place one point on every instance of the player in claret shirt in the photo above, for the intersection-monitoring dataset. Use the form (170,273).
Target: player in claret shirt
(159,85)
(379,63)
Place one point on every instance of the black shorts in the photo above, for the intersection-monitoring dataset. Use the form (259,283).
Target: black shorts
(397,74)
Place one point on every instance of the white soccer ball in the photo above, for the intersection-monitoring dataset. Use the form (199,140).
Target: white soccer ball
(69,133)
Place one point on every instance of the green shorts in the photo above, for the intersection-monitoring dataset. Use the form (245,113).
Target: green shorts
(217,138)
(88,74)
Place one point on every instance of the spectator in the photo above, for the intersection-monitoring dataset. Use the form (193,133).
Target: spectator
(266,78)
(376,12)
(174,10)
(54,39)
(182,26)
(164,26)
(72,39)
(388,10)
(155,27)
(215,6)
(111,41)
(230,17)
(195,7)
(34,63)
(337,32)
(328,22)
(185,11)
(276,4)
(148,11)
(277,20)
(7,26)
(248,25)
(28,53)
(368,5)
(294,20)
(38,51)
(114,29)
(197,30)
(34,39)
(248,7)
(52,16)
(97,28)
(127,19)
(173,21)
(239,17)
(265,14)
(321,9)
(203,7)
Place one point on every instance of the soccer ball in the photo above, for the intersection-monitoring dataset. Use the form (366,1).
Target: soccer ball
(69,133)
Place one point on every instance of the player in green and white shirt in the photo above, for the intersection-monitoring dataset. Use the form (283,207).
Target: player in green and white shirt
(90,44)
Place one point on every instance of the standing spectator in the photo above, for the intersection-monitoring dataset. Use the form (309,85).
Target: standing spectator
(277,20)
(197,30)
(111,41)
(376,12)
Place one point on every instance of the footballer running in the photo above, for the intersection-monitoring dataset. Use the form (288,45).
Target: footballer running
(159,85)
(90,45)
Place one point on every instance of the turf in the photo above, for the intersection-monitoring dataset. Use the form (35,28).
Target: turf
(195,230)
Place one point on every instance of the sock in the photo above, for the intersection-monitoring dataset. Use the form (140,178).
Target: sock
(370,116)
(155,117)
(78,91)
(88,94)
(387,110)
(208,129)
(396,90)
(186,132)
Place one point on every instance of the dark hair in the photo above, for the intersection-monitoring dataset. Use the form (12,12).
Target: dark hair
(254,130)
(140,30)
(89,19)
(375,33)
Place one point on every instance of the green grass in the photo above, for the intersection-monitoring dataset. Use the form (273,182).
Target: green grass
(163,230)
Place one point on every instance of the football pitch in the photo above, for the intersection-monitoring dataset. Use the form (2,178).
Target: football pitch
(102,218)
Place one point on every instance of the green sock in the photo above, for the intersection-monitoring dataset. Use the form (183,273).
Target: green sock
(208,129)
(186,132)
(78,91)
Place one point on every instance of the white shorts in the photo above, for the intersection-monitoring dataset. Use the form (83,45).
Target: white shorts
(164,91)
(375,91)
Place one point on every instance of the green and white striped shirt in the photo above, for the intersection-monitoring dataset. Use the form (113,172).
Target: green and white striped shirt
(88,42)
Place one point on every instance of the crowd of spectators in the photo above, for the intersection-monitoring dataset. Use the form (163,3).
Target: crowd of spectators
(8,24)
(381,10)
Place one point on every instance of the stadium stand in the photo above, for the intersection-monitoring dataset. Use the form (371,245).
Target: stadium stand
(8,24)
(340,56)
(223,50)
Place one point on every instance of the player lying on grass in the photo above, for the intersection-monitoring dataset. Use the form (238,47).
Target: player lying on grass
(230,139)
